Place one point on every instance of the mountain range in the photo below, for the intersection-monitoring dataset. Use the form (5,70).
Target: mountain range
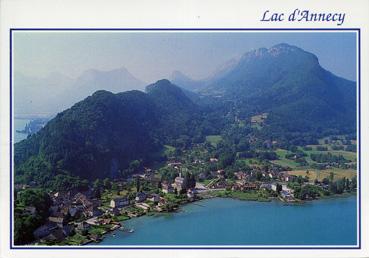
(100,135)
(286,81)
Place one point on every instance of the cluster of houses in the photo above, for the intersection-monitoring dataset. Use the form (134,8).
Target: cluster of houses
(66,207)
(69,207)
(177,187)
(77,212)
(144,201)
(242,184)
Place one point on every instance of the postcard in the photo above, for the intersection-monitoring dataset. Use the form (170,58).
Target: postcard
(201,129)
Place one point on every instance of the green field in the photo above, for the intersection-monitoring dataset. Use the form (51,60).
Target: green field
(250,161)
(315,173)
(346,154)
(282,161)
(320,174)
(214,139)
(76,239)
(247,196)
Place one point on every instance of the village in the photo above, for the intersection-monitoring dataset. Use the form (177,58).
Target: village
(77,217)
(82,216)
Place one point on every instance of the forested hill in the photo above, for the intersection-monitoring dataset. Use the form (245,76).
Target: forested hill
(177,114)
(101,135)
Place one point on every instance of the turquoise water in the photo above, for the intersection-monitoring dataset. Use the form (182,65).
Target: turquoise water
(233,222)
(19,124)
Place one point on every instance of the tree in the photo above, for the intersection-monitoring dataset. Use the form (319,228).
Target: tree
(189,181)
(37,198)
(279,188)
(308,191)
(353,184)
(97,184)
(114,186)
(25,224)
(138,184)
(135,165)
(192,183)
(259,176)
(107,183)
(325,181)
(300,180)
(333,187)
(340,185)
(225,160)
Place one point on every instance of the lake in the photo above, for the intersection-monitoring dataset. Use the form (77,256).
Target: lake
(232,222)
(19,124)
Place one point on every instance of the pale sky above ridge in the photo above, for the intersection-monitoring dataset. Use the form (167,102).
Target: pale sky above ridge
(151,56)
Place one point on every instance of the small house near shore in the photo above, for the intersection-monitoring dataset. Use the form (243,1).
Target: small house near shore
(119,202)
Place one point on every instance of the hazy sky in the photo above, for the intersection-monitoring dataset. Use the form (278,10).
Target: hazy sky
(151,56)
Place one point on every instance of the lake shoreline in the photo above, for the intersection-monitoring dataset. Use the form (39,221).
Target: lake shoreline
(180,209)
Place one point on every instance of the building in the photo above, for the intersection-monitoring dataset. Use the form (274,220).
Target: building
(243,185)
(174,164)
(266,186)
(143,206)
(220,173)
(56,235)
(167,188)
(60,221)
(240,175)
(81,226)
(140,197)
(68,230)
(82,199)
(74,211)
(115,211)
(154,198)
(179,183)
(274,187)
(44,230)
(119,202)
(92,212)
(190,194)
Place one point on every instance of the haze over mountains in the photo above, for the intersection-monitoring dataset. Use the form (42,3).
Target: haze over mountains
(56,92)
(100,135)
(185,82)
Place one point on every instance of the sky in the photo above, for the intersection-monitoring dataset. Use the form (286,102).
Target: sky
(151,56)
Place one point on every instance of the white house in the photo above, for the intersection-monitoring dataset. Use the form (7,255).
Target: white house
(119,202)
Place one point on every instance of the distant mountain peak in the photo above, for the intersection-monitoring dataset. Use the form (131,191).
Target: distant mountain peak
(283,48)
(275,51)
(178,74)
(96,72)
(254,53)
(163,84)
(164,89)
